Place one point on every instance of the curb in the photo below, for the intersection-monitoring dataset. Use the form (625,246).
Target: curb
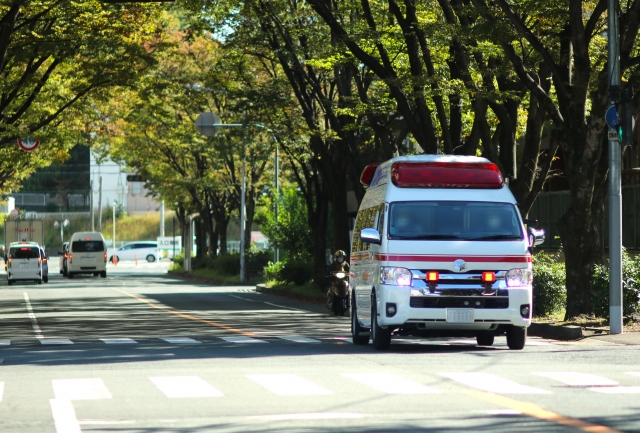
(312,299)
(555,332)
(207,280)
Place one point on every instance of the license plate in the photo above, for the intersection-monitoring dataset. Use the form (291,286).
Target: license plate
(24,265)
(460,316)
(88,259)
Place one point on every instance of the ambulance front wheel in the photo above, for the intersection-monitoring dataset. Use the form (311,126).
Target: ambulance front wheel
(516,337)
(380,337)
(356,329)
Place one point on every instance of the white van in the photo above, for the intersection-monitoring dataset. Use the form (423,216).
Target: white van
(87,255)
(439,249)
(24,262)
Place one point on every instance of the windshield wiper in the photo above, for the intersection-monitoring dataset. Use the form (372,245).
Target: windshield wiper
(496,237)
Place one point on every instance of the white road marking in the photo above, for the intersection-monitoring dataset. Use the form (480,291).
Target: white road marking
(119,341)
(633,373)
(288,384)
(1,390)
(181,340)
(504,412)
(5,342)
(264,302)
(55,341)
(32,317)
(80,389)
(493,383)
(300,339)
(573,378)
(310,416)
(242,340)
(64,416)
(185,387)
(391,383)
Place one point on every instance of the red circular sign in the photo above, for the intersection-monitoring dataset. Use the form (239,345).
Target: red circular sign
(28,144)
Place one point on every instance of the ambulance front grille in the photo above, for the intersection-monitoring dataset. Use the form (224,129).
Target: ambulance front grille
(459,302)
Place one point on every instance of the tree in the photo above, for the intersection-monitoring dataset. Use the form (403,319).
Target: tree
(57,61)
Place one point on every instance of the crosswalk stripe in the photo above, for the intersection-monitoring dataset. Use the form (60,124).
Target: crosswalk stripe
(185,387)
(119,341)
(634,373)
(80,389)
(47,341)
(493,383)
(64,416)
(391,383)
(617,390)
(288,384)
(181,340)
(242,340)
(574,378)
(5,342)
(300,339)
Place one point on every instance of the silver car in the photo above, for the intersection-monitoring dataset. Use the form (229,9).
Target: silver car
(45,265)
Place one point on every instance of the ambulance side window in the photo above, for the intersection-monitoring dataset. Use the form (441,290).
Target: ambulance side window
(381,212)
(366,219)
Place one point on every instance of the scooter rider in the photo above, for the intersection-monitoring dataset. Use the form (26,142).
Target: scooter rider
(339,264)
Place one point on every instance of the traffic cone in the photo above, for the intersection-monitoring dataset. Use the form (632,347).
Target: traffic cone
(136,260)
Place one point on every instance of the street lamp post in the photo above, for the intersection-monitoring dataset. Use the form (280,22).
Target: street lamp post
(62,225)
(207,124)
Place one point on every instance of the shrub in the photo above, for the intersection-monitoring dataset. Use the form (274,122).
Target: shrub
(549,285)
(272,271)
(256,260)
(296,272)
(226,264)
(630,287)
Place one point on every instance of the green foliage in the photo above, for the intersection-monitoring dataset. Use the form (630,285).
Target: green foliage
(549,291)
(291,231)
(630,287)
(229,264)
(294,271)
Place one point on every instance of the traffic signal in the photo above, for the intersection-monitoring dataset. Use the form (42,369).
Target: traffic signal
(626,121)
(134,178)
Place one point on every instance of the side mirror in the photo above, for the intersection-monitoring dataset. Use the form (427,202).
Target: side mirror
(370,236)
(530,223)
(536,237)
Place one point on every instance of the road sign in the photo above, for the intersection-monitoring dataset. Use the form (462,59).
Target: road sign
(14,212)
(612,135)
(611,116)
(28,144)
(207,124)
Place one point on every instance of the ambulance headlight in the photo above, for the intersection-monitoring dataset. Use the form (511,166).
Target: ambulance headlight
(518,277)
(393,276)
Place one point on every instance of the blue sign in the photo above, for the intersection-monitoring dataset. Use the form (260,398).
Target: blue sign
(611,117)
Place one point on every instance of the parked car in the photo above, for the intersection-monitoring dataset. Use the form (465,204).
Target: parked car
(45,265)
(141,250)
(64,255)
(24,262)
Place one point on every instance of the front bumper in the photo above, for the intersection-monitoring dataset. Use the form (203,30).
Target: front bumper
(417,305)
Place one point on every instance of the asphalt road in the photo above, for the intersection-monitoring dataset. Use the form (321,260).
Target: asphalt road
(145,352)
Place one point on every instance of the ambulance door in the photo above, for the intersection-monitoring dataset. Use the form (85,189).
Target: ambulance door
(368,267)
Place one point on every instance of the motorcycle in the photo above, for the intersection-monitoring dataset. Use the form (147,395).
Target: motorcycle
(338,300)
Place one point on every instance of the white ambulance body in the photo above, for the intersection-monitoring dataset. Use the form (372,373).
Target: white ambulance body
(440,249)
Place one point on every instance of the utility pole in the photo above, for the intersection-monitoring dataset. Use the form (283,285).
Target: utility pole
(243,193)
(615,188)
(100,205)
(93,224)
(162,219)
(114,226)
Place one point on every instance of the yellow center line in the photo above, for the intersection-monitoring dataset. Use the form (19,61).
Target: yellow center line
(187,316)
(540,413)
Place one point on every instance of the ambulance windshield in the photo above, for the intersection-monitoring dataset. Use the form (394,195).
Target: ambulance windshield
(454,220)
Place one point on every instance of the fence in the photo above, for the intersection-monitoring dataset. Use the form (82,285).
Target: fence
(52,202)
(550,206)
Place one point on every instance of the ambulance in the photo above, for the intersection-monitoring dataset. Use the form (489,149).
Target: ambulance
(440,250)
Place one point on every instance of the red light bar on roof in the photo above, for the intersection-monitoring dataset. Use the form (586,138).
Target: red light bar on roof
(446,175)
(87,239)
(367,174)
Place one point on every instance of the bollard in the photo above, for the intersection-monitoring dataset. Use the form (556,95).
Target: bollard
(114,260)
(136,260)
